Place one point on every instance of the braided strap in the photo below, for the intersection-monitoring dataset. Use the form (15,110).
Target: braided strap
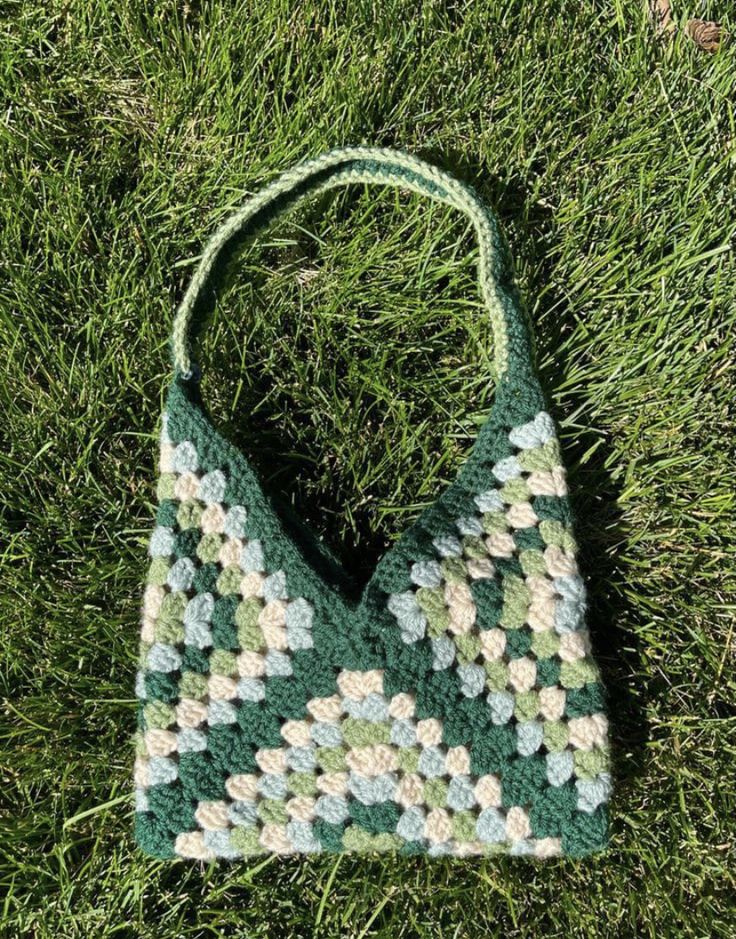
(348,165)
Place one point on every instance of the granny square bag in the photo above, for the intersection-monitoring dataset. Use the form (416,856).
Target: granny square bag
(454,709)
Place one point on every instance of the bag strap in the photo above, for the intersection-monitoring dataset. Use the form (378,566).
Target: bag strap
(512,351)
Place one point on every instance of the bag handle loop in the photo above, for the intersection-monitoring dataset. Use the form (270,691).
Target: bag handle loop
(512,351)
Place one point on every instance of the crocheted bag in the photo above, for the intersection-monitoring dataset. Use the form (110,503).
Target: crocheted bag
(454,709)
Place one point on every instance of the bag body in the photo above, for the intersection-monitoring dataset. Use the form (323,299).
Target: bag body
(454,709)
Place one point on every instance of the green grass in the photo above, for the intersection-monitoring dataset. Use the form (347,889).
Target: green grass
(350,356)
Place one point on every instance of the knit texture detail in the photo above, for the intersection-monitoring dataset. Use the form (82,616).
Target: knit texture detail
(454,709)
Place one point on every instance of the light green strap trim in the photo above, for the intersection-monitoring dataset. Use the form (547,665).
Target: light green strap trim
(370,165)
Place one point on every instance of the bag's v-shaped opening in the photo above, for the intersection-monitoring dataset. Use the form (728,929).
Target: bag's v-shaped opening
(323,565)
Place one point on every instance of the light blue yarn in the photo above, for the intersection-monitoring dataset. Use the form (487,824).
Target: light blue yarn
(403,733)
(559,767)
(301,835)
(184,458)
(219,842)
(472,679)
(243,814)
(374,708)
(469,525)
(277,663)
(181,575)
(507,469)
(251,689)
(439,849)
(189,740)
(431,762)
(163,658)
(443,653)
(212,487)
(162,770)
(412,622)
(593,792)
(161,544)
(372,791)
(501,704)
(489,501)
(332,809)
(410,826)
(299,614)
(299,638)
(273,785)
(570,586)
(301,759)
(533,434)
(529,736)
(491,826)
(325,734)
(569,616)
(235,521)
(521,847)
(140,686)
(274,587)
(221,712)
(198,635)
(426,574)
(460,794)
(197,617)
(448,546)
(251,557)
(199,609)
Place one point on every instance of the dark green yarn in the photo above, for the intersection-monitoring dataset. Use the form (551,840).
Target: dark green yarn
(313,673)
(586,833)
(375,818)
(469,720)
(488,596)
(154,836)
(172,804)
(162,686)
(548,672)
(410,848)
(260,726)
(286,699)
(195,660)
(230,750)
(508,567)
(185,543)
(166,513)
(205,579)
(518,642)
(201,777)
(223,613)
(329,835)
(437,694)
(224,630)
(552,809)
(523,779)
(553,508)
(581,702)
(529,538)
(491,750)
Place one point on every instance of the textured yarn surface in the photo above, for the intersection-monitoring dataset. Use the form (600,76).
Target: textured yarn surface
(454,709)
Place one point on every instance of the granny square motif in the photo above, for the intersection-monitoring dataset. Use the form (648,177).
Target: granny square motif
(454,709)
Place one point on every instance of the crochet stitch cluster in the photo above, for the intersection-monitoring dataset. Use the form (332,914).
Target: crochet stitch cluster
(455,709)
